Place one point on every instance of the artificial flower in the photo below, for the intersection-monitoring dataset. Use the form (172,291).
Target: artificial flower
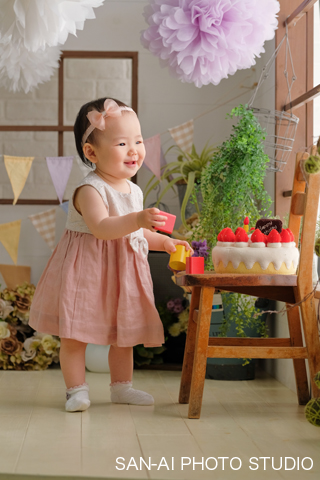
(174,330)
(23,303)
(49,344)
(184,319)
(28,352)
(200,249)
(21,348)
(10,345)
(24,317)
(5,309)
(4,330)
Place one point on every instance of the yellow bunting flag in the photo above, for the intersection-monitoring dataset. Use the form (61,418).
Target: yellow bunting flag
(9,237)
(14,275)
(18,169)
(45,223)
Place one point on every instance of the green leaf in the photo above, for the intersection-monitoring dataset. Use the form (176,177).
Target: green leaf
(189,189)
(170,185)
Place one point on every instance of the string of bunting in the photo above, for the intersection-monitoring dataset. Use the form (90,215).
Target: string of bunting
(18,169)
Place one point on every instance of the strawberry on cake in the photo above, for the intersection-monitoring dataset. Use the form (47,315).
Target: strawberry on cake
(268,249)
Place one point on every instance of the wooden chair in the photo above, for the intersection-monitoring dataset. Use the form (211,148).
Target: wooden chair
(286,288)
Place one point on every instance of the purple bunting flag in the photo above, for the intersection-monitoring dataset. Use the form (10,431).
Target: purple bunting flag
(60,169)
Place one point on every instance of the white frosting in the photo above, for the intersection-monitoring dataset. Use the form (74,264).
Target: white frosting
(288,244)
(249,255)
(257,244)
(225,244)
(274,245)
(241,244)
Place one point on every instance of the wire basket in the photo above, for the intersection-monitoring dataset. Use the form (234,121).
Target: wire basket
(280,129)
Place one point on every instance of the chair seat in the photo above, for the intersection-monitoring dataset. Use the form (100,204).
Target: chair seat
(212,279)
(273,287)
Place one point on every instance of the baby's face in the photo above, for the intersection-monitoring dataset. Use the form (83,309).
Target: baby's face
(120,150)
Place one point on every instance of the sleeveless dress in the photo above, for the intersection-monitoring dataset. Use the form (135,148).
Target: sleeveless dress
(99,291)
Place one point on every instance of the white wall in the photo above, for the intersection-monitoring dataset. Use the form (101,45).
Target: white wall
(164,102)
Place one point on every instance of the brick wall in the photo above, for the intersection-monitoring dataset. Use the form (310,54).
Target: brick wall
(84,80)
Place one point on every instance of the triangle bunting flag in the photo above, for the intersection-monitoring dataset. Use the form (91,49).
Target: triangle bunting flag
(153,155)
(18,169)
(60,169)
(14,275)
(45,224)
(65,206)
(9,237)
(183,135)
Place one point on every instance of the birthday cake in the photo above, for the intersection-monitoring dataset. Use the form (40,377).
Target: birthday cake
(268,248)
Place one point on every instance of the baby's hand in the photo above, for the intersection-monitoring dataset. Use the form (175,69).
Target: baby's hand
(150,219)
(169,245)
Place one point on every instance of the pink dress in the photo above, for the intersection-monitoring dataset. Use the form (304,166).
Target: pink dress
(99,291)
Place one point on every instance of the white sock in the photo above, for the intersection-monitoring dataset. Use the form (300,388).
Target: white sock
(122,392)
(78,398)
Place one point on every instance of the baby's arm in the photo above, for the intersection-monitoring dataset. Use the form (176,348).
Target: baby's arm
(95,214)
(160,242)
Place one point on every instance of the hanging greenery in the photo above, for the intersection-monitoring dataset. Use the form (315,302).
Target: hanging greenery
(232,183)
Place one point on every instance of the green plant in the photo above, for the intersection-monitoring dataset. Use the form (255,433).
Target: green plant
(232,183)
(242,313)
(232,188)
(188,167)
(241,305)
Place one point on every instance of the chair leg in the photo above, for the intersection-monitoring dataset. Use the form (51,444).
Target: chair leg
(200,352)
(299,364)
(188,357)
(311,334)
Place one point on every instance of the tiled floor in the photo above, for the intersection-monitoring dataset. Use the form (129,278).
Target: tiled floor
(259,418)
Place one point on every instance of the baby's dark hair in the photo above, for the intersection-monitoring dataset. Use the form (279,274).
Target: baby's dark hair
(82,123)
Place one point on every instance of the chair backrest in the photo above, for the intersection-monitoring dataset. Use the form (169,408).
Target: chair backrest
(304,207)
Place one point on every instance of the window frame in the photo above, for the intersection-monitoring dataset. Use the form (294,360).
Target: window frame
(61,128)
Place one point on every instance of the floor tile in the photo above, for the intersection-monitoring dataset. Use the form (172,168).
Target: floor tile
(242,421)
(13,428)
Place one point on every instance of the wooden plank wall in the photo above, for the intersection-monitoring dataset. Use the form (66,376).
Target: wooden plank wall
(301,43)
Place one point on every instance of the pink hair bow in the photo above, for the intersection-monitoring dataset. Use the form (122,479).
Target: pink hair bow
(111,109)
(97,119)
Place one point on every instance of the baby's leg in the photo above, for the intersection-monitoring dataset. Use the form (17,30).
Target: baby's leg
(72,361)
(121,369)
(120,363)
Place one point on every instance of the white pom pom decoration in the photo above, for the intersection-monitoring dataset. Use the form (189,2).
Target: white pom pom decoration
(24,70)
(30,32)
(44,23)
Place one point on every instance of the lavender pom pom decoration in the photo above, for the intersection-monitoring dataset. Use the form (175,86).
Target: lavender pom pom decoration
(204,41)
